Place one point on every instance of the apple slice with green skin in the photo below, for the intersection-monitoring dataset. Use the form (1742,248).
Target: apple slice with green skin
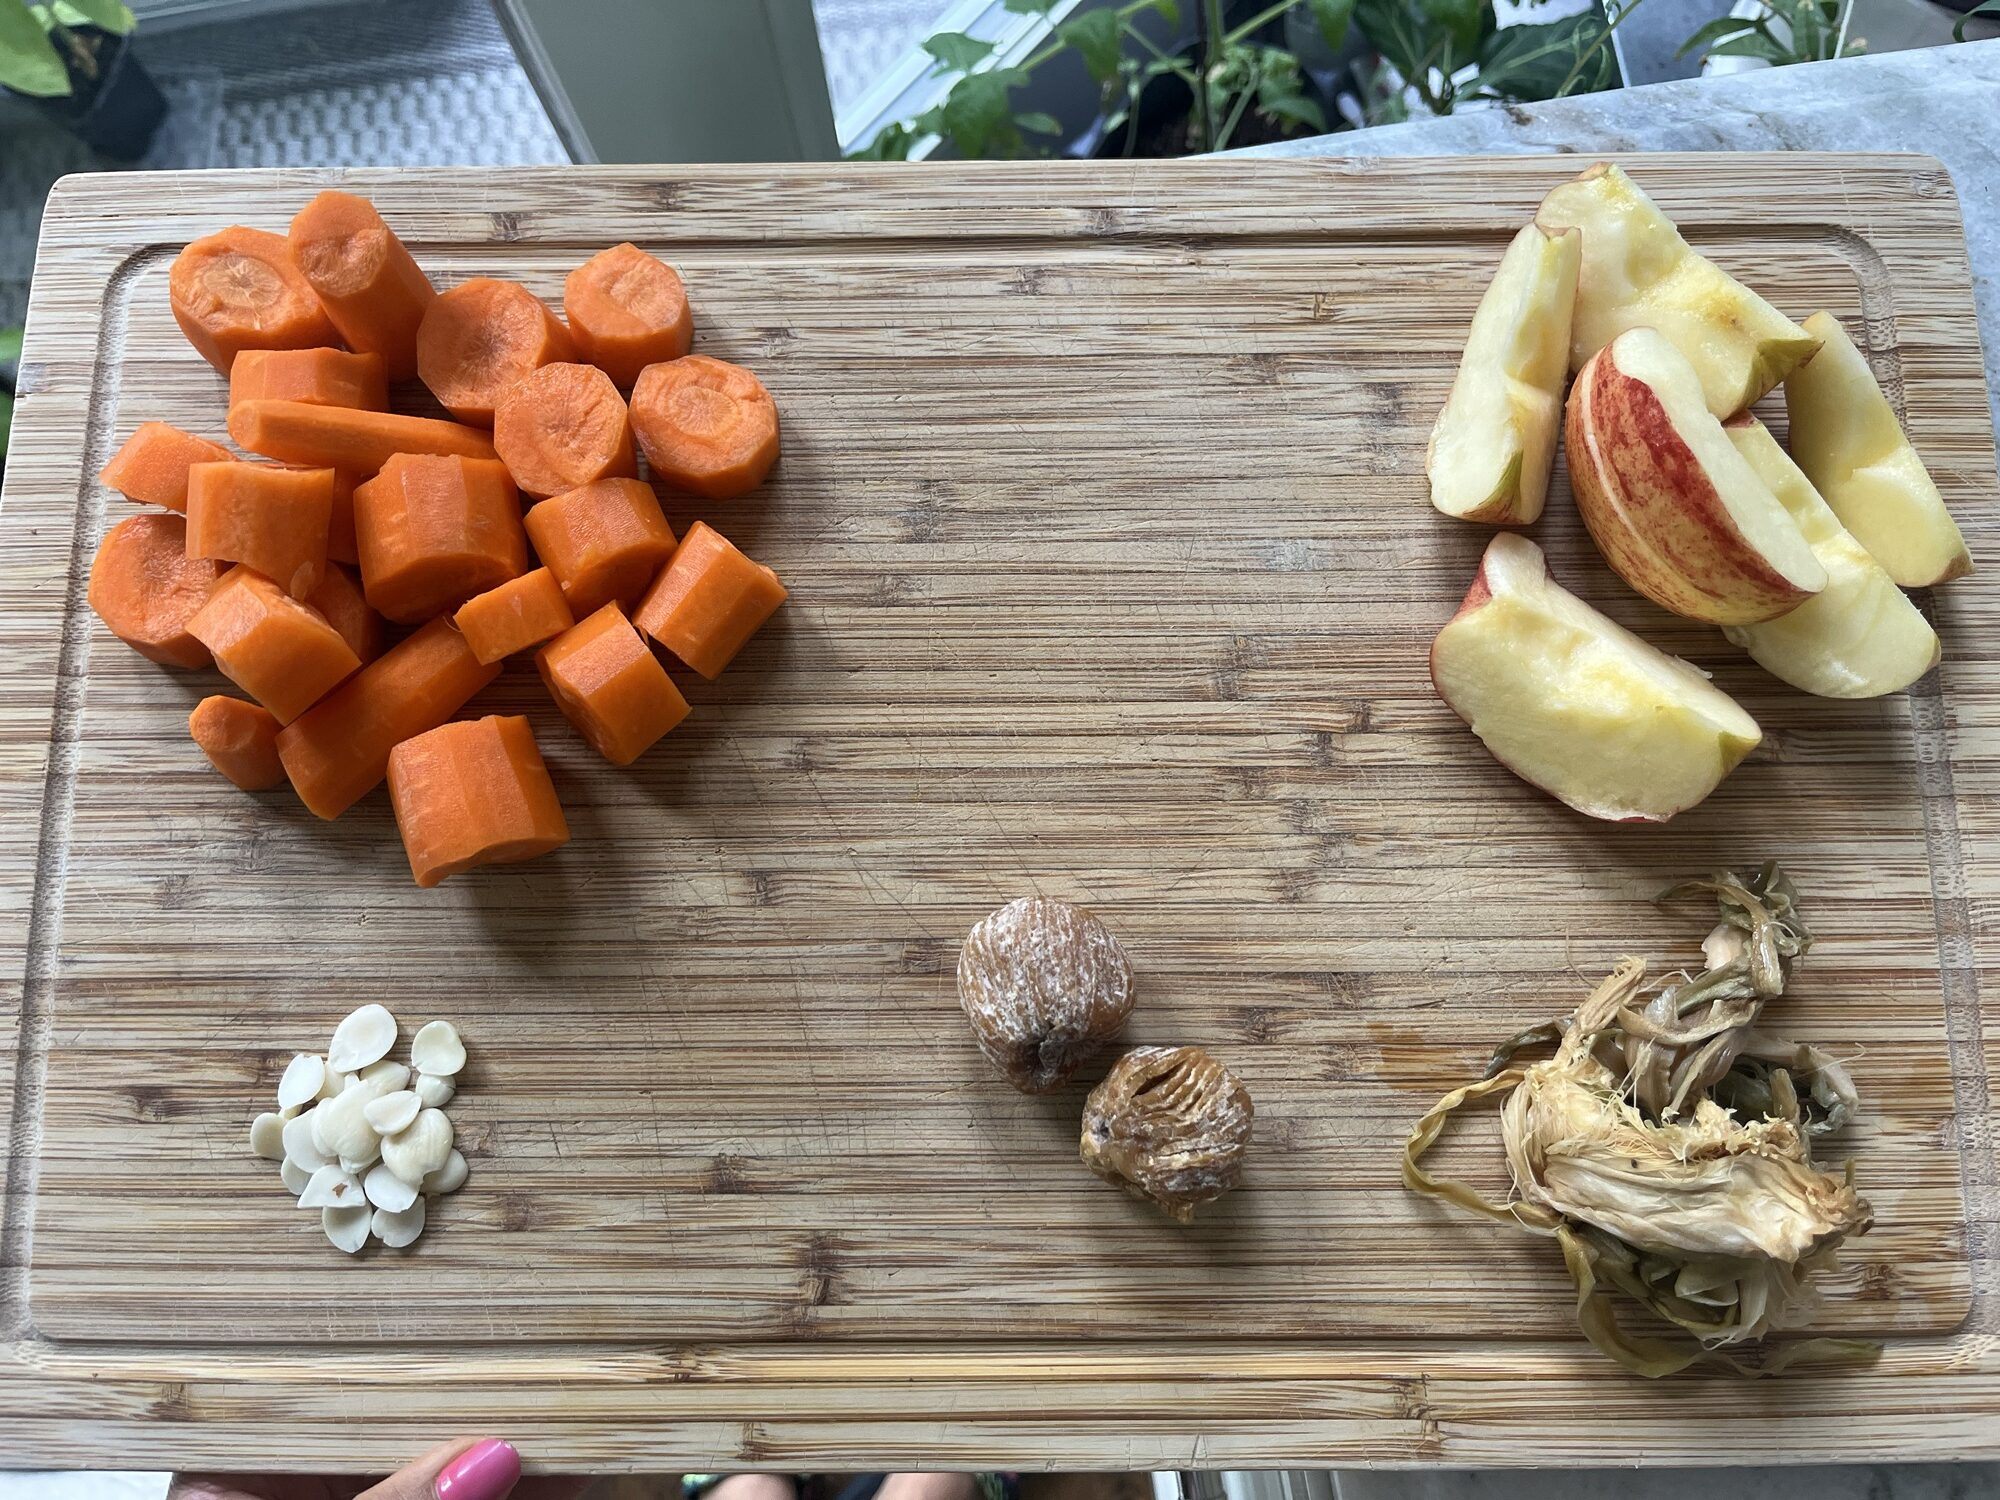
(1846,438)
(1858,637)
(1675,509)
(1496,437)
(1575,703)
(1639,273)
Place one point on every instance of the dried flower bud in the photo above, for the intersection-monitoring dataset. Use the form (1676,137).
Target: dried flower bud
(1171,1124)
(1043,983)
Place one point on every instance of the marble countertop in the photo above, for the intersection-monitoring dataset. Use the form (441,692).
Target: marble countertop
(1944,101)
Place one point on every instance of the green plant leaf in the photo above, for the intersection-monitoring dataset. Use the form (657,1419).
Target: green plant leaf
(1549,59)
(1097,37)
(1990,8)
(1294,109)
(1332,18)
(28,62)
(891,143)
(10,351)
(1714,31)
(1401,32)
(1028,7)
(1750,44)
(979,113)
(6,421)
(1169,10)
(1035,122)
(113,16)
(955,51)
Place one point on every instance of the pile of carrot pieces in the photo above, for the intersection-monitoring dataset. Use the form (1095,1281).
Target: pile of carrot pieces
(282,574)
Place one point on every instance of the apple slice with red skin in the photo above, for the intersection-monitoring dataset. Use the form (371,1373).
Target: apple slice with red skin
(1675,509)
(1572,702)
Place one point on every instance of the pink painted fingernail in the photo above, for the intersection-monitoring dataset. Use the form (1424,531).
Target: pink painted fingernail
(485,1471)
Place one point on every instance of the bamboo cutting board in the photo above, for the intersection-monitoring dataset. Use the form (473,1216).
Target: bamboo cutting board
(1112,578)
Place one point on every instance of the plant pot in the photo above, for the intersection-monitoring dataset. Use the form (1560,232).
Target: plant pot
(116,112)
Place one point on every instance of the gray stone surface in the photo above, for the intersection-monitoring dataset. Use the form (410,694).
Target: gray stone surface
(1944,101)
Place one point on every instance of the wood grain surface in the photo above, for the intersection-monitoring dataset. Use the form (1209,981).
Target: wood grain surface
(1112,579)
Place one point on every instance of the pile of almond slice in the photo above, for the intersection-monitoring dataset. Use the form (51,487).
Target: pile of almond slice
(365,1140)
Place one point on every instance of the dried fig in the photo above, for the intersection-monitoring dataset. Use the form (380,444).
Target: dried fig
(1043,983)
(1171,1125)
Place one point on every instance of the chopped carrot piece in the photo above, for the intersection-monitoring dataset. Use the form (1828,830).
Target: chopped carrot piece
(279,651)
(479,338)
(268,518)
(520,613)
(145,588)
(340,543)
(372,287)
(319,377)
(238,289)
(604,542)
(152,467)
(562,426)
(338,750)
(708,427)
(338,437)
(473,793)
(240,740)
(339,598)
(627,310)
(611,686)
(708,600)
(435,531)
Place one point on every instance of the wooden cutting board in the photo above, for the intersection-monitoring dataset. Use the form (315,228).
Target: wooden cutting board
(1102,509)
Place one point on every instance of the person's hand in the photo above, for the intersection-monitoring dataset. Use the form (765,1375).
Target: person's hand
(465,1469)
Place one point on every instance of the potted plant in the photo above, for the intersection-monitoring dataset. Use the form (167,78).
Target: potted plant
(73,61)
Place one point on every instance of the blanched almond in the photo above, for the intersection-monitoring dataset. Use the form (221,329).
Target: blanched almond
(346,1227)
(344,1130)
(294,1177)
(267,1136)
(448,1178)
(384,1077)
(434,1092)
(397,1230)
(386,1190)
(391,1114)
(304,1076)
(423,1147)
(437,1050)
(301,1140)
(331,1187)
(361,1038)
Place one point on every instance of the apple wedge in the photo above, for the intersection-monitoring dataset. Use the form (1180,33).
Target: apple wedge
(1575,703)
(1858,637)
(1638,272)
(1675,509)
(1496,437)
(1846,438)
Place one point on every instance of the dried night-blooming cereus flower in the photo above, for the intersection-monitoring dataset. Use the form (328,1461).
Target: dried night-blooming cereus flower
(1171,1125)
(1043,983)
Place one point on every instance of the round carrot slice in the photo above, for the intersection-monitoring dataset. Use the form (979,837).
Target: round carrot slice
(237,289)
(146,588)
(480,337)
(627,310)
(708,427)
(561,427)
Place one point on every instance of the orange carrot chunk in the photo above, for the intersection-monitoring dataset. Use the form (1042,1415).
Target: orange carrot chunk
(237,290)
(708,600)
(145,588)
(708,427)
(479,338)
(338,437)
(473,793)
(152,467)
(268,518)
(520,613)
(562,426)
(340,543)
(435,531)
(627,310)
(339,598)
(611,686)
(338,750)
(604,541)
(240,740)
(279,651)
(320,377)
(372,288)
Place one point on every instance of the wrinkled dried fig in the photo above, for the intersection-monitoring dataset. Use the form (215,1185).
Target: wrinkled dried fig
(1043,983)
(1171,1125)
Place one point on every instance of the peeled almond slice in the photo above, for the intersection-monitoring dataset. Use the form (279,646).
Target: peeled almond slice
(294,1177)
(448,1178)
(267,1136)
(347,1227)
(423,1147)
(391,1114)
(434,1092)
(304,1077)
(386,1190)
(397,1230)
(331,1187)
(1494,441)
(437,1050)
(344,1130)
(301,1140)
(363,1037)
(383,1077)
